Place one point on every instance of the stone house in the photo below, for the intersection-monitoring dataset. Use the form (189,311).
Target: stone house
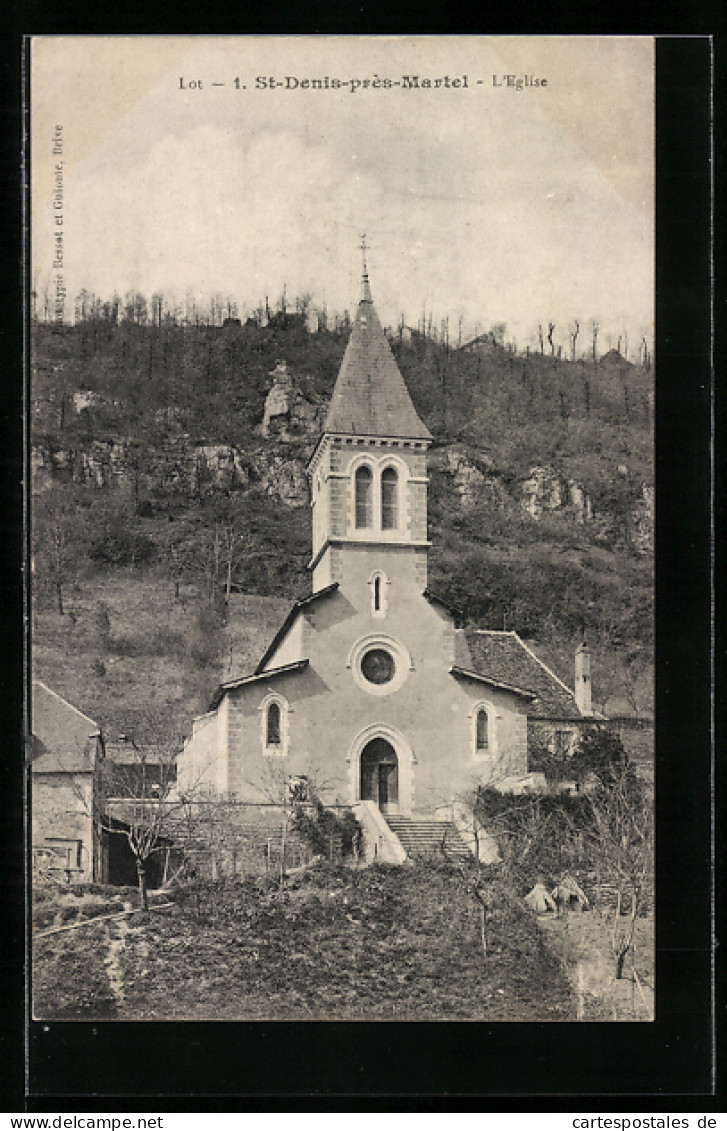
(67,756)
(370,687)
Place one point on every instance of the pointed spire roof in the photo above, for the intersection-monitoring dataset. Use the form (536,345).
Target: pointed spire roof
(370,397)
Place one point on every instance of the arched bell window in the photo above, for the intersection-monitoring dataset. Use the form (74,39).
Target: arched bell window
(389,500)
(364,497)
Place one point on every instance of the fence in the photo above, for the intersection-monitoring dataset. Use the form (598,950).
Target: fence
(228,839)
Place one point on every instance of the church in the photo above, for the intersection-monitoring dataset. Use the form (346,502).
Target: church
(371,688)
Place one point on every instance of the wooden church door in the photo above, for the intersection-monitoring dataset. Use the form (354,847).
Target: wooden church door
(380,775)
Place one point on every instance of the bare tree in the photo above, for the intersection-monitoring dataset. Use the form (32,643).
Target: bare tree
(139,804)
(573,338)
(56,534)
(623,842)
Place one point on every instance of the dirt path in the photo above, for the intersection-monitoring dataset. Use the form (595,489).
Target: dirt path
(582,943)
(116,932)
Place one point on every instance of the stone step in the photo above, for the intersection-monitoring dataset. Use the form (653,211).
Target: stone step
(425,836)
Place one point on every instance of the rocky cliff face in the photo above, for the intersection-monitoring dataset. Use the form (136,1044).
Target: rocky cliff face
(547,491)
(178,464)
(289,427)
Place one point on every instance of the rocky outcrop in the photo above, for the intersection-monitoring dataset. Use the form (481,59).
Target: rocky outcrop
(642,521)
(177,466)
(288,415)
(580,502)
(475,484)
(542,492)
(219,466)
(284,479)
(547,491)
(468,480)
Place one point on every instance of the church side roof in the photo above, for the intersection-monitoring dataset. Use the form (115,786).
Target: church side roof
(435,599)
(271,673)
(464,673)
(64,739)
(504,656)
(370,397)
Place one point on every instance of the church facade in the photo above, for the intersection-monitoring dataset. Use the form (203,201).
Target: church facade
(370,688)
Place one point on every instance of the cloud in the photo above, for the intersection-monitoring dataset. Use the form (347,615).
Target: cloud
(480,206)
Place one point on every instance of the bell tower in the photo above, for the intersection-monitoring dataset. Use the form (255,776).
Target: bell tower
(368,472)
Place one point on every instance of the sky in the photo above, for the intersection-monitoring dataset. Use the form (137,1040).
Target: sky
(485,202)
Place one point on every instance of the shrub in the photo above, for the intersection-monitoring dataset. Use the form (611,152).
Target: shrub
(601,752)
(320,826)
(538,835)
(554,767)
(117,543)
(204,647)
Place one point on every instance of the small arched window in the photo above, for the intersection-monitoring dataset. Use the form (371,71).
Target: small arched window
(364,497)
(481,731)
(389,484)
(272,725)
(378,584)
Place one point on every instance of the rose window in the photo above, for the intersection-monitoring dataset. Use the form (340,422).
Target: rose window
(377,666)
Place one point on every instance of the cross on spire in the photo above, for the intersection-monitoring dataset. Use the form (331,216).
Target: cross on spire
(365,289)
(363,254)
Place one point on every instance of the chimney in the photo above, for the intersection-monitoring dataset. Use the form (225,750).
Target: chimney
(583,680)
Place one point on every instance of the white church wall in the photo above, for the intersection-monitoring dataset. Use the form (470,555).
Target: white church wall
(197,764)
(290,649)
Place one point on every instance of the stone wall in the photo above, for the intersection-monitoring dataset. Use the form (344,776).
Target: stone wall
(62,811)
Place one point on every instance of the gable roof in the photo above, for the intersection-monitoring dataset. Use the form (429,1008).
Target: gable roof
(290,618)
(504,657)
(370,397)
(64,739)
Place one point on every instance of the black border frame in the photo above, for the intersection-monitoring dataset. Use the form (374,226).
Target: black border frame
(208,1066)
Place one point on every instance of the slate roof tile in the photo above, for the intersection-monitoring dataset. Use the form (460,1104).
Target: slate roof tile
(504,656)
(64,739)
(370,397)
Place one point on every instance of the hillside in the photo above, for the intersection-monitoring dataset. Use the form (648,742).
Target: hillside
(384,943)
(168,467)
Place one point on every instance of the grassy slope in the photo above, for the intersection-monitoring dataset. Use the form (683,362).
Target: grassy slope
(383,944)
(152,687)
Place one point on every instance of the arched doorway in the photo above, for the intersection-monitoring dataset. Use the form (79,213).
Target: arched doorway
(380,775)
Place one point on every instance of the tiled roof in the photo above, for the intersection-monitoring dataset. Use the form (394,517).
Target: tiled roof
(503,657)
(370,397)
(467,673)
(64,739)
